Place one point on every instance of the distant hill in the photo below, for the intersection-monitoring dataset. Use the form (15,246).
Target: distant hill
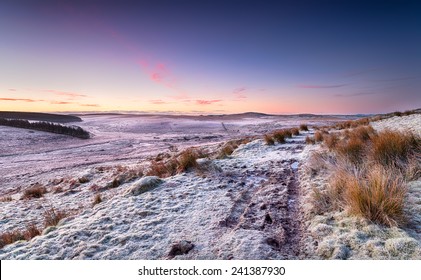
(58,118)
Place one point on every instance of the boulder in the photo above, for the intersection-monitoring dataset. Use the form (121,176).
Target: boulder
(142,185)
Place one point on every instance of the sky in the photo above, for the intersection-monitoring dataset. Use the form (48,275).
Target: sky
(219,57)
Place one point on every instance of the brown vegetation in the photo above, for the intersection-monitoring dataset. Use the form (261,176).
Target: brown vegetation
(310,140)
(368,175)
(269,139)
(12,236)
(97,199)
(303,127)
(295,131)
(52,216)
(36,191)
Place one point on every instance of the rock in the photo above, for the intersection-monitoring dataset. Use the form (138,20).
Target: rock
(47,230)
(143,185)
(180,248)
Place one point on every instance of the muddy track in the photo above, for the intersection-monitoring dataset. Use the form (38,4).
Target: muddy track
(273,208)
(291,222)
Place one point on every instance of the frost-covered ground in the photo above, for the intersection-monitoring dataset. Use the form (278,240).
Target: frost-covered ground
(336,235)
(236,209)
(251,205)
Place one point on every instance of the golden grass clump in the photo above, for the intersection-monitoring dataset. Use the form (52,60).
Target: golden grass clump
(187,160)
(330,140)
(269,140)
(12,236)
(352,149)
(295,131)
(364,133)
(303,127)
(36,191)
(279,136)
(97,199)
(310,140)
(318,136)
(162,169)
(378,196)
(52,216)
(390,147)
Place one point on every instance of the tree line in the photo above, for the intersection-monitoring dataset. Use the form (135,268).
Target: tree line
(74,131)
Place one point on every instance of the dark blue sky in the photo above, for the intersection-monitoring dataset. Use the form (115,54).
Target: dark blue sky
(211,56)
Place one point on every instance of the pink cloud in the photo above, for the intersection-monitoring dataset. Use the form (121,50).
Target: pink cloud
(240,93)
(70,95)
(12,89)
(321,86)
(156,77)
(21,99)
(207,102)
(61,102)
(89,105)
(158,102)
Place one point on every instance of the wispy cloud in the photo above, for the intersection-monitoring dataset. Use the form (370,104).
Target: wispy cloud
(397,79)
(21,99)
(240,93)
(70,95)
(357,94)
(207,102)
(362,72)
(90,105)
(322,86)
(12,89)
(158,102)
(62,102)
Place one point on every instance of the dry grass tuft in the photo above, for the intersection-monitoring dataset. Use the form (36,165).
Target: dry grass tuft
(12,236)
(279,136)
(36,191)
(303,127)
(6,198)
(97,199)
(310,140)
(318,136)
(295,131)
(352,149)
(331,140)
(269,140)
(364,133)
(378,196)
(187,160)
(390,147)
(162,169)
(53,216)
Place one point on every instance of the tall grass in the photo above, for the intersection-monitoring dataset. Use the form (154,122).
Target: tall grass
(390,147)
(378,196)
(368,177)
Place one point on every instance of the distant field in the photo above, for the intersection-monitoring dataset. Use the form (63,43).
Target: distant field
(40,117)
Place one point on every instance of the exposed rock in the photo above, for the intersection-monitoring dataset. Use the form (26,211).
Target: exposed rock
(143,185)
(180,248)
